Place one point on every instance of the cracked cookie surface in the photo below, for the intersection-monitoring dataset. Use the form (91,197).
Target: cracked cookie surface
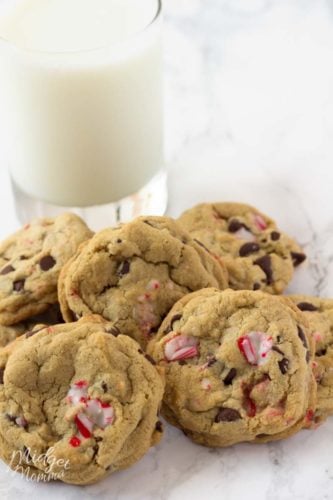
(257,254)
(30,263)
(319,313)
(133,275)
(79,394)
(238,367)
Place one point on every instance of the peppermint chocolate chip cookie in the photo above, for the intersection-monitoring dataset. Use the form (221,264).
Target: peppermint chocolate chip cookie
(77,402)
(30,262)
(257,254)
(51,316)
(238,367)
(319,313)
(133,275)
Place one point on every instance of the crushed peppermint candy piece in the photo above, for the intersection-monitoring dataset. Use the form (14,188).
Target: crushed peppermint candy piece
(181,347)
(153,285)
(93,412)
(78,392)
(317,336)
(255,347)
(245,234)
(260,222)
(84,425)
(206,384)
(75,441)
(21,422)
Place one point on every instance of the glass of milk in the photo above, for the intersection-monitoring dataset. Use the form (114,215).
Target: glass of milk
(81,107)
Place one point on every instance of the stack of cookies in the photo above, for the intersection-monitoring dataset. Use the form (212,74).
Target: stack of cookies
(179,317)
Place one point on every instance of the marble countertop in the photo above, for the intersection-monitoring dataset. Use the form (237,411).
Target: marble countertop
(249,117)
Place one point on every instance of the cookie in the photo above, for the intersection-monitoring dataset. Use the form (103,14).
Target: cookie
(30,262)
(51,316)
(77,402)
(319,313)
(238,367)
(133,275)
(257,254)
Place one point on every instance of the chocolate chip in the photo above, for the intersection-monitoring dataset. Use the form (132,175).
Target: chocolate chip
(119,240)
(306,306)
(153,330)
(230,377)
(114,330)
(321,353)
(211,360)
(47,262)
(98,439)
(159,426)
(298,258)
(302,336)
(2,371)
(11,418)
(18,285)
(150,359)
(23,257)
(275,236)
(182,362)
(235,225)
(248,249)
(308,356)
(256,286)
(26,454)
(104,387)
(265,263)
(7,270)
(124,268)
(276,349)
(227,415)
(283,365)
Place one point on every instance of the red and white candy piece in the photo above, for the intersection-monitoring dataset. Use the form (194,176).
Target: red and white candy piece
(21,422)
(181,347)
(260,222)
(255,347)
(318,337)
(102,414)
(206,384)
(153,285)
(245,234)
(78,392)
(94,412)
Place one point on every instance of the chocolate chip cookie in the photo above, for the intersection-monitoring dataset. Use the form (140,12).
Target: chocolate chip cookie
(77,402)
(319,313)
(257,254)
(51,316)
(30,262)
(238,367)
(133,275)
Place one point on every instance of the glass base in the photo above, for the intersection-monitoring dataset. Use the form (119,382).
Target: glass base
(152,199)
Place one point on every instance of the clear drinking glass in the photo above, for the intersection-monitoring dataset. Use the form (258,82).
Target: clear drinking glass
(84,128)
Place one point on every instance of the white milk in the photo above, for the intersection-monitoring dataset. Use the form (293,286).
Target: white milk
(81,97)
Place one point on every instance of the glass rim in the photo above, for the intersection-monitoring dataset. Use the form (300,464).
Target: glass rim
(139,33)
